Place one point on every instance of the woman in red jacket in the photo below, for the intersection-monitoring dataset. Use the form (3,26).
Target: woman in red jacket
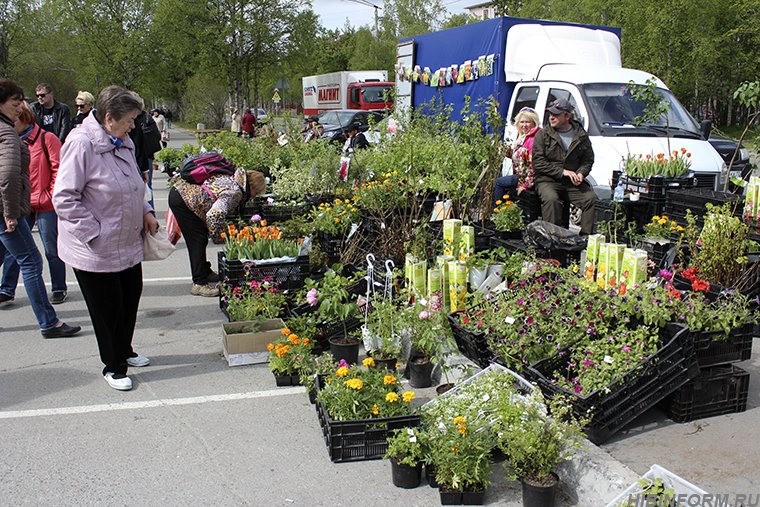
(45,151)
(249,123)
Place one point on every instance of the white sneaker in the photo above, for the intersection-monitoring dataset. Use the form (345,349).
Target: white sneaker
(118,381)
(138,360)
(206,290)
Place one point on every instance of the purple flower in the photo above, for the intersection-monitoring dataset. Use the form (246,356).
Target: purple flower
(578,388)
(342,363)
(256,218)
(665,274)
(626,348)
(587,362)
(424,314)
(311,297)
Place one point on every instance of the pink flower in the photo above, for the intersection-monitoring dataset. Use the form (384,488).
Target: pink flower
(311,297)
(343,363)
(665,274)
(626,348)
(424,314)
(256,218)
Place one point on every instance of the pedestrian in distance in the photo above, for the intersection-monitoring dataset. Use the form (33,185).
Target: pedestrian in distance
(356,140)
(99,198)
(45,153)
(162,126)
(50,114)
(235,125)
(84,104)
(249,123)
(562,160)
(15,196)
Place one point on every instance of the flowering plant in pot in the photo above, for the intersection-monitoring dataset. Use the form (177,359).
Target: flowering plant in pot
(288,356)
(351,393)
(334,218)
(507,215)
(253,300)
(459,449)
(405,454)
(536,436)
(430,337)
(323,364)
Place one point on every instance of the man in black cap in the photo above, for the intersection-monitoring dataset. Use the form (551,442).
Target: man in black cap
(562,159)
(356,139)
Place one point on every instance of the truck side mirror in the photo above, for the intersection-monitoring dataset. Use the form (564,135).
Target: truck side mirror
(705,127)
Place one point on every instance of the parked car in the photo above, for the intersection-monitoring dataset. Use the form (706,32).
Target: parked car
(261,116)
(336,121)
(726,147)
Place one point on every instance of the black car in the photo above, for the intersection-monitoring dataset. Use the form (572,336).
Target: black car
(726,148)
(336,122)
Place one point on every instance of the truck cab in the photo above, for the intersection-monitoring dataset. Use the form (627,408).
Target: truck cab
(370,95)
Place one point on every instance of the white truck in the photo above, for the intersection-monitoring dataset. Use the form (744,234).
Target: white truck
(363,89)
(531,63)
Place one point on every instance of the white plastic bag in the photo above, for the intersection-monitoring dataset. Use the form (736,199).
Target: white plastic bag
(158,247)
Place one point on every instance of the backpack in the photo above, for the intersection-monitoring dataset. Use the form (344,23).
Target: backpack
(199,168)
(151,136)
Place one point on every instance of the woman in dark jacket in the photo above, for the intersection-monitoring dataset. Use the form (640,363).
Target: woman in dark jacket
(249,123)
(15,196)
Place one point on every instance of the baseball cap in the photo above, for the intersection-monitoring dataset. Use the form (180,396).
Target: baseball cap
(560,106)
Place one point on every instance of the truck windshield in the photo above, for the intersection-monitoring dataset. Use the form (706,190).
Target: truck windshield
(614,109)
(375,94)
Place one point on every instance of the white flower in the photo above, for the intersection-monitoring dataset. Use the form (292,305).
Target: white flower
(509,320)
(413,440)
(486,397)
(607,359)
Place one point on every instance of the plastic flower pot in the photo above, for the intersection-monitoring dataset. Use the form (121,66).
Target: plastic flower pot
(405,476)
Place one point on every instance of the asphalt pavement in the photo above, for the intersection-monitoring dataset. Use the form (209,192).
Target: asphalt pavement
(194,431)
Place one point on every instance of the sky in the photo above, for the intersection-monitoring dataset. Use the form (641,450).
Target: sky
(333,13)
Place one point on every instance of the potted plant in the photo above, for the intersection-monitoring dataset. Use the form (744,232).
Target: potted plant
(331,222)
(430,336)
(405,454)
(459,449)
(288,357)
(253,300)
(382,338)
(331,301)
(660,235)
(507,218)
(536,436)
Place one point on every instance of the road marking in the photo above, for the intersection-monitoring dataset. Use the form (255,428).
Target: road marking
(135,405)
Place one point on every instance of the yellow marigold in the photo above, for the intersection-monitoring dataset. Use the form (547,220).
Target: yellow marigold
(408,396)
(354,383)
(285,331)
(336,220)
(455,448)
(342,371)
(389,380)
(270,347)
(292,337)
(496,210)
(368,362)
(459,420)
(391,397)
(306,341)
(505,196)
(375,409)
(509,203)
(655,218)
(499,202)
(282,351)
(328,379)
(462,429)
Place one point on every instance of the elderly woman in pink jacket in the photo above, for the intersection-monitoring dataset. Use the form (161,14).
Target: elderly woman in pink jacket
(102,217)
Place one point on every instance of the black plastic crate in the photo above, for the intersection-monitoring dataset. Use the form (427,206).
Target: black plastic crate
(289,275)
(737,347)
(631,395)
(362,439)
(716,391)
(330,244)
(473,346)
(276,213)
(657,187)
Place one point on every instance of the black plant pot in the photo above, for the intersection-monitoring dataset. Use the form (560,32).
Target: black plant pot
(345,347)
(450,497)
(405,476)
(430,476)
(388,364)
(473,497)
(536,495)
(420,371)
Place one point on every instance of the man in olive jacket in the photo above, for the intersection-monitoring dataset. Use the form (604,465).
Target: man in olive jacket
(562,159)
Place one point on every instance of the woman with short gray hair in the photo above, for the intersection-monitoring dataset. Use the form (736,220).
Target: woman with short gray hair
(102,219)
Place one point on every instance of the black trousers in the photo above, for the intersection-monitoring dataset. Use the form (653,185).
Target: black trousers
(195,232)
(112,300)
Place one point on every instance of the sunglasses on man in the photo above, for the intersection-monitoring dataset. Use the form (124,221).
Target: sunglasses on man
(41,95)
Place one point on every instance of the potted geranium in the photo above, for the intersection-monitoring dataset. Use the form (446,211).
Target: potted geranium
(405,454)
(536,436)
(288,356)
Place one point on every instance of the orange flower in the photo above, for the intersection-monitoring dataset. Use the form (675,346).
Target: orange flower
(683,150)
(264,223)
(270,347)
(285,331)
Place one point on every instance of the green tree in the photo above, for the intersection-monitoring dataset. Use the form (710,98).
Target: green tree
(405,18)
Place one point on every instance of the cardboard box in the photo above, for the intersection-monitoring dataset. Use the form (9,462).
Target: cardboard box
(601,265)
(592,255)
(249,348)
(451,230)
(634,268)
(614,263)
(457,285)
(466,241)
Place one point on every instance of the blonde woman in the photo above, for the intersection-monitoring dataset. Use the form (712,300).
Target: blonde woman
(84,104)
(521,153)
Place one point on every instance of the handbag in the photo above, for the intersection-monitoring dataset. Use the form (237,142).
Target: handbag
(157,247)
(172,227)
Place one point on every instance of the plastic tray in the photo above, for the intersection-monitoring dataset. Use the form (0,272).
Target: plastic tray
(737,347)
(632,394)
(359,440)
(669,480)
(287,275)
(716,391)
(473,346)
